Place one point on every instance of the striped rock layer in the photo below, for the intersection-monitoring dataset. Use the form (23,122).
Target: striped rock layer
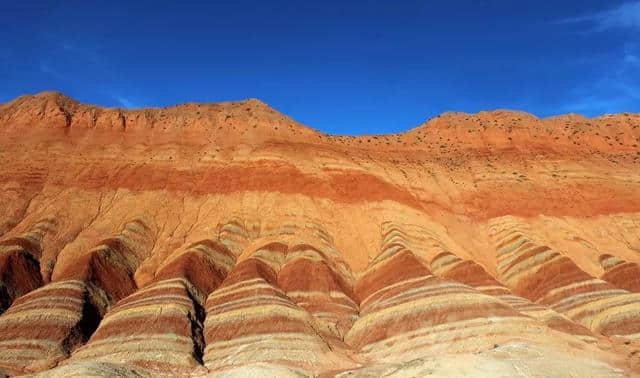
(112,263)
(451,267)
(620,273)
(234,235)
(320,283)
(20,263)
(228,239)
(45,326)
(407,312)
(159,327)
(283,308)
(251,319)
(547,277)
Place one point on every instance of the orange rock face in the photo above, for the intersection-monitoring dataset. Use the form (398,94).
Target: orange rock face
(228,239)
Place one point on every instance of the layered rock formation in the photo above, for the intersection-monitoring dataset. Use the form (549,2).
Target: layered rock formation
(549,278)
(620,273)
(227,239)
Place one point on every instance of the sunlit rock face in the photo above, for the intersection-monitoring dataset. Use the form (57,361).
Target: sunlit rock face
(227,239)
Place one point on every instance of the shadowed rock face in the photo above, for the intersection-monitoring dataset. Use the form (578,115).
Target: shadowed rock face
(41,328)
(20,258)
(165,316)
(227,239)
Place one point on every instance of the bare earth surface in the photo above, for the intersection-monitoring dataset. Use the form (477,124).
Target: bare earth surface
(229,240)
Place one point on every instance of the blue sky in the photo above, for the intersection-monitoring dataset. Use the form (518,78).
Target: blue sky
(346,67)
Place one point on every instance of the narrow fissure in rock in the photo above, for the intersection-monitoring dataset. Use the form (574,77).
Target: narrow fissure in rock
(197,321)
(89,321)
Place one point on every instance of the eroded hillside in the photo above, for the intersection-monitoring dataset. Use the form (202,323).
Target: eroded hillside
(207,238)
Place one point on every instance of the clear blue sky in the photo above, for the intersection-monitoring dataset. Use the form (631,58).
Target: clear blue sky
(347,67)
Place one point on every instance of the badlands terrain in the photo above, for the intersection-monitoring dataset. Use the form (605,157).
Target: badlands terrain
(228,239)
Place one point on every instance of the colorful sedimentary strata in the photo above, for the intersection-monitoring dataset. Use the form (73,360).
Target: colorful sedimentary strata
(550,278)
(451,267)
(320,283)
(20,263)
(46,325)
(228,239)
(620,273)
(159,327)
(406,311)
(112,263)
(250,319)
(234,235)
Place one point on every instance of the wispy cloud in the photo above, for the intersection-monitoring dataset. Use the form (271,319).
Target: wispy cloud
(616,87)
(127,103)
(589,104)
(632,53)
(624,16)
(48,69)
(70,61)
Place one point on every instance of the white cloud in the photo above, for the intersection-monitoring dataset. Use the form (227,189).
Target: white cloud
(616,87)
(624,16)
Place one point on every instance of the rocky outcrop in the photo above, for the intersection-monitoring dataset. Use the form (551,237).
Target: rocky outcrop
(547,277)
(620,273)
(321,284)
(449,266)
(251,319)
(159,327)
(228,239)
(406,312)
(20,263)
(43,327)
(46,325)
(110,265)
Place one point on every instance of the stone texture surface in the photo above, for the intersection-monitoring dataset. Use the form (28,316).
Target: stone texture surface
(228,239)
